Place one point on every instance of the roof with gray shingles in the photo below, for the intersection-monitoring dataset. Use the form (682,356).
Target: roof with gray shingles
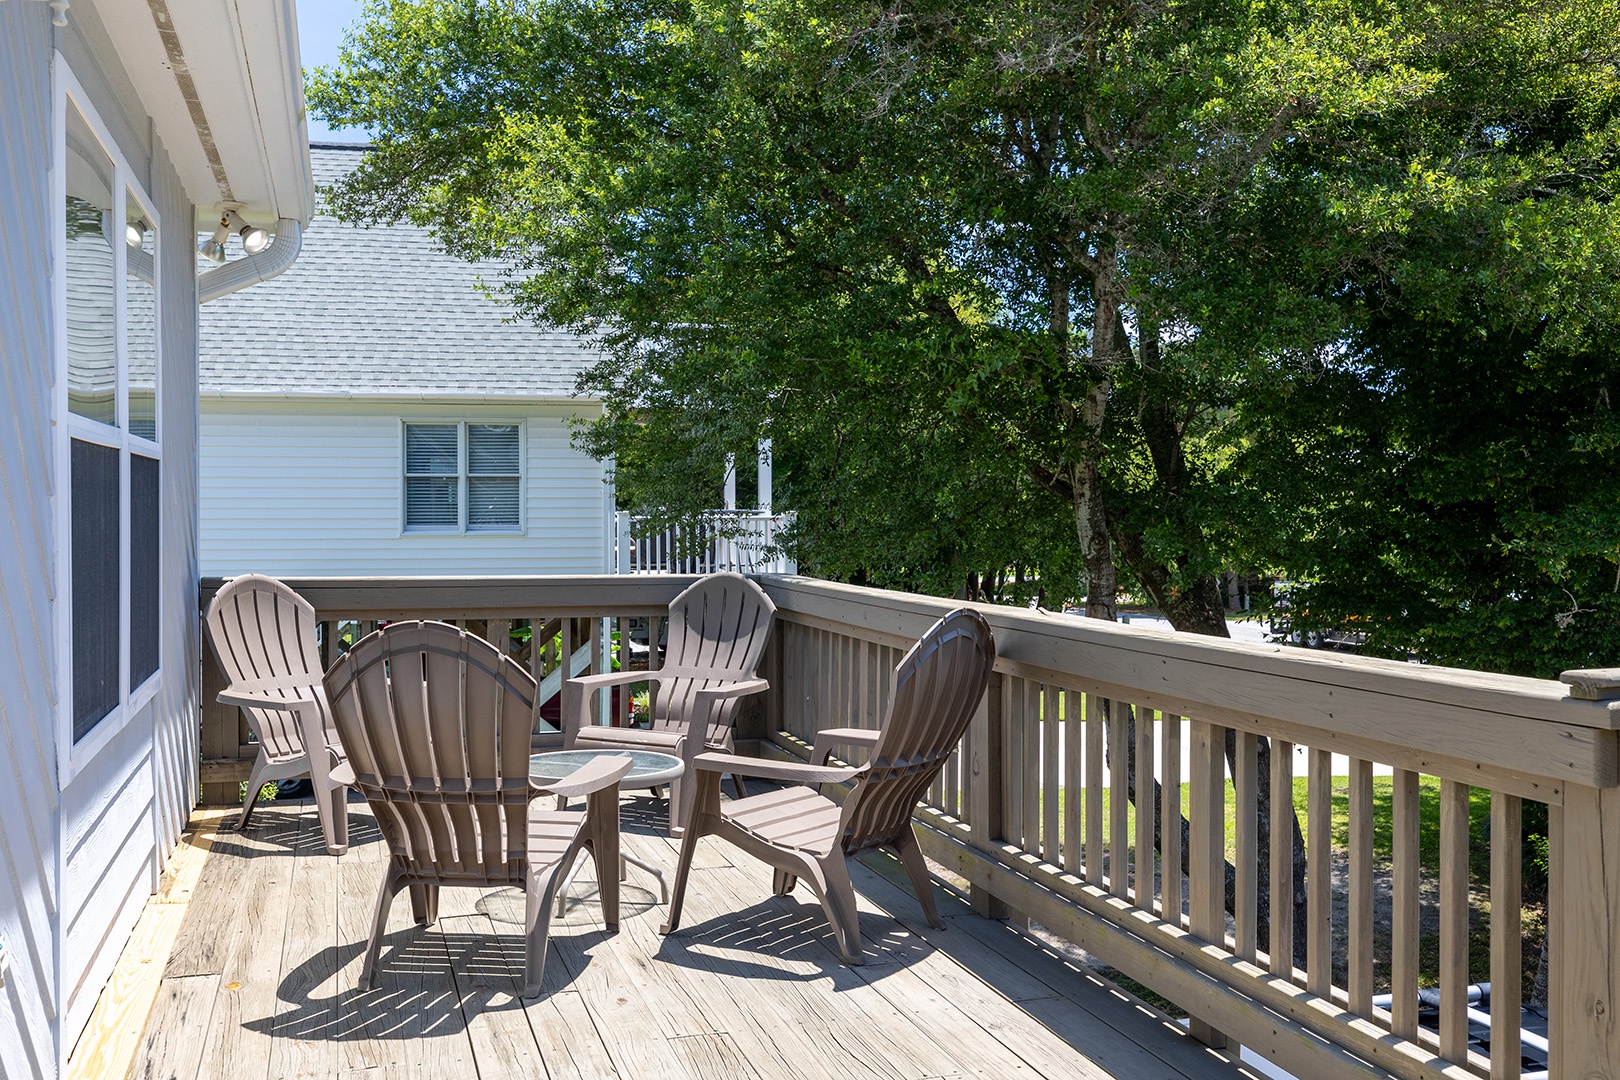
(378,310)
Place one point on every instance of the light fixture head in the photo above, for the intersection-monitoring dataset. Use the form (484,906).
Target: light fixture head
(213,249)
(135,233)
(254,239)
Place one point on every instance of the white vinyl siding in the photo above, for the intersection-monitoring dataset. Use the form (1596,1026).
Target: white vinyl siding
(310,488)
(78,862)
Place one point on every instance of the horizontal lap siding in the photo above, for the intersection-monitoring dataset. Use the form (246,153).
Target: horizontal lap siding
(314,489)
(28,794)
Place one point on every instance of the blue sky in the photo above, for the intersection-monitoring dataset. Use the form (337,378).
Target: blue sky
(320,34)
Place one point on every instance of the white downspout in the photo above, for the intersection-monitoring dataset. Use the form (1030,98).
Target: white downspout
(248,270)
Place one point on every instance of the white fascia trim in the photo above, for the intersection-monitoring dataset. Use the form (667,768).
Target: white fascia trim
(395,397)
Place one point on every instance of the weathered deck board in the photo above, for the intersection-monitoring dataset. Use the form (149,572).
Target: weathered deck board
(267,965)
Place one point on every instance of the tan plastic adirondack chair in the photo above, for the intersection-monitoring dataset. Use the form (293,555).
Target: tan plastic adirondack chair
(803,834)
(437,722)
(717,632)
(263,635)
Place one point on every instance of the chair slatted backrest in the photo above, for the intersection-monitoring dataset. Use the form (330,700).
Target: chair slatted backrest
(718,624)
(436,724)
(938,686)
(260,629)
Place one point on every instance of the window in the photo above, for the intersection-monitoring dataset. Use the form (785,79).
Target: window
(463,477)
(111,458)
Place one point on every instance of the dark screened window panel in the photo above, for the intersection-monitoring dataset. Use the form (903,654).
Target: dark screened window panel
(145,499)
(96,637)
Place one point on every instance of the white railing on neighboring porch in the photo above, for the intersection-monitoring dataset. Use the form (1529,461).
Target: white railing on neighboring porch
(745,541)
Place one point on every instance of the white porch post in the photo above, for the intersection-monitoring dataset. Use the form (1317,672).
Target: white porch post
(764,476)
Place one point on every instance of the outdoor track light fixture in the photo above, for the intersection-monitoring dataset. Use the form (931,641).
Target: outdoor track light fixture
(254,238)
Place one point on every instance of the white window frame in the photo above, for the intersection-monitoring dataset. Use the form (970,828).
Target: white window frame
(463,463)
(72,757)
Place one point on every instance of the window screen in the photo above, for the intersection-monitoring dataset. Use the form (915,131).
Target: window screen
(95,512)
(432,476)
(493,484)
(144,573)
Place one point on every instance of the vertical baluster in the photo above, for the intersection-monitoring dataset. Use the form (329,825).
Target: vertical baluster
(1453,920)
(565,664)
(1507,956)
(1404,878)
(1094,789)
(953,765)
(1319,874)
(1144,808)
(1030,720)
(500,635)
(1051,784)
(1073,780)
(1361,887)
(1012,757)
(1246,793)
(1170,812)
(1207,859)
(886,662)
(622,714)
(1282,858)
(1118,801)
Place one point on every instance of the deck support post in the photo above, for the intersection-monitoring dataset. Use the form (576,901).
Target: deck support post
(1584,922)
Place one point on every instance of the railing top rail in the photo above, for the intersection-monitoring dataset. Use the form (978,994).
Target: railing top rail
(904,616)
(571,595)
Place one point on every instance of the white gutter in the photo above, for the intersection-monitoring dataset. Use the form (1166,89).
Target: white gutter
(400,396)
(251,269)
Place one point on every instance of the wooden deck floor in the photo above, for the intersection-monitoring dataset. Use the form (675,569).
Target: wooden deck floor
(262,981)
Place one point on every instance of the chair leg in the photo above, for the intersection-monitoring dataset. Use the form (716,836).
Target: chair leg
(705,789)
(678,894)
(541,890)
(379,923)
(922,882)
(737,786)
(783,882)
(838,901)
(256,781)
(425,904)
(331,805)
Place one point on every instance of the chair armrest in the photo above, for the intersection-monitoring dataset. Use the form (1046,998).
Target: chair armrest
(741,688)
(848,736)
(592,776)
(610,678)
(788,771)
(620,678)
(255,696)
(343,773)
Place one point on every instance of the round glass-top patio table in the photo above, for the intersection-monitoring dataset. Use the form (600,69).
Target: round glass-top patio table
(647,767)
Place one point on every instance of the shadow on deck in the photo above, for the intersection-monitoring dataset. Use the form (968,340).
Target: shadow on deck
(262,980)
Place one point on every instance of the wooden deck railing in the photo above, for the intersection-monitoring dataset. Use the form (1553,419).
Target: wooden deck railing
(582,619)
(1031,815)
